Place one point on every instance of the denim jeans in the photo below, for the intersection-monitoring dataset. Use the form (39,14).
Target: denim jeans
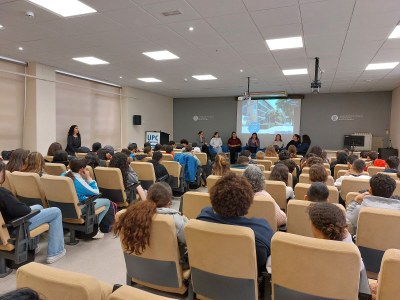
(52,216)
(99,203)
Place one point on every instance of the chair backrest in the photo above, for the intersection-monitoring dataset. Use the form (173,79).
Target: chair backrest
(261,166)
(127,292)
(388,282)
(350,197)
(393,175)
(167,157)
(290,177)
(297,160)
(7,184)
(309,268)
(54,283)
(5,244)
(377,231)
(202,157)
(60,192)
(397,190)
(305,178)
(301,190)
(55,168)
(341,173)
(145,173)
(263,207)
(194,202)
(272,159)
(111,184)
(355,184)
(277,189)
(306,170)
(211,180)
(158,266)
(48,158)
(28,188)
(266,163)
(374,170)
(339,167)
(298,221)
(237,171)
(214,276)
(80,155)
(175,172)
(91,172)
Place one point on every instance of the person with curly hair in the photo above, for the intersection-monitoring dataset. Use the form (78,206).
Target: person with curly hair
(318,173)
(231,198)
(17,160)
(135,224)
(34,163)
(221,165)
(314,160)
(73,140)
(120,161)
(318,192)
(255,177)
(292,151)
(271,152)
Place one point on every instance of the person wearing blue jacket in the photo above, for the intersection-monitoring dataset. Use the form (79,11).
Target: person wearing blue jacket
(302,148)
(189,161)
(86,187)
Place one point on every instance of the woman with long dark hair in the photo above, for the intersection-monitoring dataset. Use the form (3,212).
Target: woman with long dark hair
(73,140)
(53,148)
(253,143)
(17,160)
(235,146)
(120,161)
(304,145)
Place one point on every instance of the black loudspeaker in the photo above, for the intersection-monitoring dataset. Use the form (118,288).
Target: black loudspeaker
(137,120)
(386,152)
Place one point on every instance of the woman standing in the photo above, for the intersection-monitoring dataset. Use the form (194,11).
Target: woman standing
(278,141)
(216,142)
(73,140)
(253,143)
(235,146)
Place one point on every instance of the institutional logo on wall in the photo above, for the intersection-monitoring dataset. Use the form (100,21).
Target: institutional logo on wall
(334,118)
(195,118)
(202,118)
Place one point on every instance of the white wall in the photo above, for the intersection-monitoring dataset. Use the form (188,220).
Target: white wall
(156,111)
(394,119)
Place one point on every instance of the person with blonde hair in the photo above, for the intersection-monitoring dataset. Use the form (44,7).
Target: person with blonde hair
(260,155)
(292,151)
(271,152)
(34,164)
(221,165)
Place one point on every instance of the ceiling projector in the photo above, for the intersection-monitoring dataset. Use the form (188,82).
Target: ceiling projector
(316,84)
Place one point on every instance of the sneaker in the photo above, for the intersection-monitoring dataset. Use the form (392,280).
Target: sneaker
(99,235)
(53,259)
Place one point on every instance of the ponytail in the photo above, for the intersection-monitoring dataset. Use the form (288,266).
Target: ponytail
(134,226)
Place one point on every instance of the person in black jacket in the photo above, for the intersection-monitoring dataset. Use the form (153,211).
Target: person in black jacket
(11,208)
(296,141)
(159,169)
(73,140)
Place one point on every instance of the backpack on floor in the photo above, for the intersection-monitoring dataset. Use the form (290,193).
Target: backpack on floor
(108,220)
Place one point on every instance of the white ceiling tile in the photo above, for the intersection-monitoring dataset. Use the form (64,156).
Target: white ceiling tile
(107,5)
(212,8)
(131,17)
(275,32)
(156,10)
(277,17)
(254,5)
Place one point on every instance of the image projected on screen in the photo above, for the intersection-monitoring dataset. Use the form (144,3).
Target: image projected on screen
(271,116)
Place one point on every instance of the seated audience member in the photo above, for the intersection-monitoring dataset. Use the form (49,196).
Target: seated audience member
(281,173)
(242,162)
(231,198)
(260,155)
(92,160)
(172,144)
(129,177)
(21,294)
(271,152)
(135,224)
(284,155)
(163,147)
(292,151)
(364,154)
(86,187)
(148,151)
(317,150)
(34,164)
(278,141)
(318,173)
(350,159)
(61,157)
(221,165)
(392,164)
(159,169)
(341,159)
(235,146)
(96,146)
(83,149)
(318,192)
(196,148)
(379,195)
(53,148)
(184,143)
(356,171)
(373,160)
(157,147)
(247,153)
(347,151)
(296,140)
(328,222)
(255,177)
(126,151)
(216,142)
(303,161)
(292,166)
(314,160)
(103,155)
(11,208)
(133,148)
(325,157)
(169,150)
(110,150)
(147,144)
(304,145)
(17,160)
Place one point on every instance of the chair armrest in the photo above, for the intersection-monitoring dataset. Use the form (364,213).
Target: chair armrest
(91,199)
(131,186)
(17,222)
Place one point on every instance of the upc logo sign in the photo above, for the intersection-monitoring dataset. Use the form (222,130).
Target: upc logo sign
(152,137)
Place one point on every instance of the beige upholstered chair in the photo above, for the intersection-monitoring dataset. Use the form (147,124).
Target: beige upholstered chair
(111,185)
(91,172)
(28,188)
(266,163)
(60,192)
(211,180)
(339,167)
(145,172)
(306,170)
(300,264)
(237,171)
(290,177)
(374,170)
(393,175)
(54,283)
(158,266)
(80,155)
(229,271)
(355,184)
(48,158)
(176,175)
(202,157)
(388,282)
(377,231)
(55,169)
(167,157)
(263,208)
(277,189)
(350,197)
(7,184)
(305,178)
(131,293)
(194,202)
(301,190)
(272,159)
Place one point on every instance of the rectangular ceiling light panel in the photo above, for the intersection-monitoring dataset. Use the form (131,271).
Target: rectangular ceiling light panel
(382,66)
(149,79)
(295,72)
(91,60)
(285,43)
(161,55)
(204,77)
(65,8)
